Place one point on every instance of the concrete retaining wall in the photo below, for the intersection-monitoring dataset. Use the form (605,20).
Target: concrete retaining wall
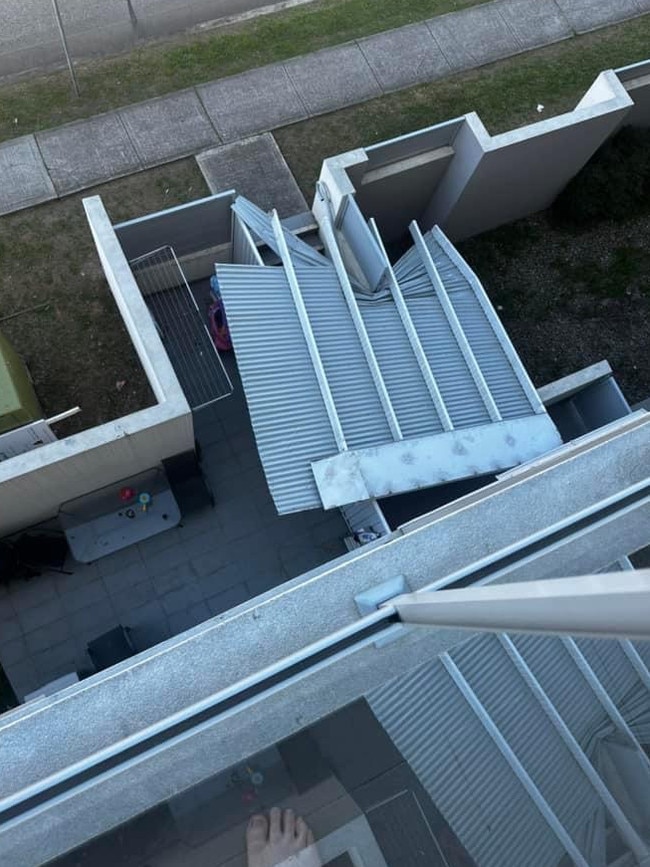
(467,181)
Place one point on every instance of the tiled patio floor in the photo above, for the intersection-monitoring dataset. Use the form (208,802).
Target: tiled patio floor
(177,579)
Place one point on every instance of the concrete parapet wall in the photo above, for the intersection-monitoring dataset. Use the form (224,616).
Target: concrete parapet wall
(467,181)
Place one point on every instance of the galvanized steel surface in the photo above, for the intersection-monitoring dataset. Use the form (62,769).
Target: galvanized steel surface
(567,689)
(463,771)
(287,411)
(531,735)
(428,369)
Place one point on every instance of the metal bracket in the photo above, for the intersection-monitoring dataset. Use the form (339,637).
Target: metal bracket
(372,599)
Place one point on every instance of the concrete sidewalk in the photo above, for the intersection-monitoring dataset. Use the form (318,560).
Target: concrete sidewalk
(55,163)
(30,40)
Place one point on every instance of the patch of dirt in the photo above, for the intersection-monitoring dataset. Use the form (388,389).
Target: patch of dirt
(77,348)
(570,299)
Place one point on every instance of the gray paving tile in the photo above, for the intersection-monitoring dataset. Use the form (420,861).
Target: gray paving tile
(228,599)
(92,593)
(197,525)
(161,561)
(262,582)
(238,519)
(160,542)
(585,15)
(207,427)
(81,154)
(25,181)
(203,543)
(332,78)
(24,677)
(249,459)
(7,610)
(255,168)
(81,575)
(212,562)
(47,636)
(535,22)
(149,624)
(183,620)
(241,570)
(13,651)
(333,527)
(93,620)
(152,612)
(173,579)
(132,598)
(131,575)
(183,598)
(39,615)
(473,36)
(405,56)
(298,558)
(119,561)
(253,102)
(9,629)
(56,660)
(168,128)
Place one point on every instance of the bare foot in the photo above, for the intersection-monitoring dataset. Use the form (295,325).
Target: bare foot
(282,841)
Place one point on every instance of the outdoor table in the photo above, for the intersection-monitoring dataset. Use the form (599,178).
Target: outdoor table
(110,518)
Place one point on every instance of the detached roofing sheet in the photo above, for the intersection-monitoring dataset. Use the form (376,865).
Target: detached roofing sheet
(354,395)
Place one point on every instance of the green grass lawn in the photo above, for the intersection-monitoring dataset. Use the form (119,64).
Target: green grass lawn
(505,94)
(155,69)
(77,348)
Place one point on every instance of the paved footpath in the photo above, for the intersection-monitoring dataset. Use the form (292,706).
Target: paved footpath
(57,162)
(30,40)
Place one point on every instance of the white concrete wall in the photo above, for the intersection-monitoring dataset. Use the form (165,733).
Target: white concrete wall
(35,484)
(522,171)
(636,80)
(489,180)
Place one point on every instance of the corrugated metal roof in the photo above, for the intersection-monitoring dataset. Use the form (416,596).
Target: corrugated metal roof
(463,771)
(355,397)
(576,702)
(287,411)
(259,224)
(449,733)
(406,387)
(530,733)
(610,665)
(503,371)
(442,365)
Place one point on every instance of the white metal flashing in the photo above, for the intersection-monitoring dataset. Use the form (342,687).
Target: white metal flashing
(412,464)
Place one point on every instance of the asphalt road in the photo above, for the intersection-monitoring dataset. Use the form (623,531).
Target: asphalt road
(29,38)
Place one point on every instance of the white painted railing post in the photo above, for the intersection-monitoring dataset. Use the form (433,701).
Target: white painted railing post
(615,605)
